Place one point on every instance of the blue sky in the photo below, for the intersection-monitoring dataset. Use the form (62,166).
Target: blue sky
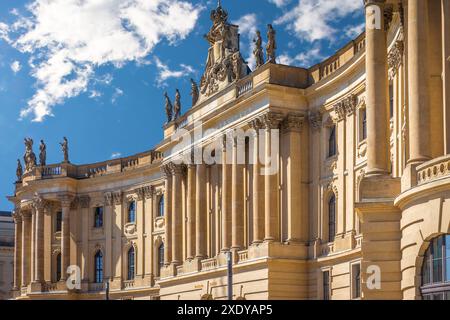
(96,70)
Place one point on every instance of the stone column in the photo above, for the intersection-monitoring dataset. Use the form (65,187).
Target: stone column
(271,121)
(39,206)
(191,209)
(296,216)
(66,201)
(258,187)
(237,195)
(85,227)
(226,198)
(377,88)
(118,223)
(445,5)
(32,246)
(26,247)
(419,100)
(435,79)
(177,214)
(200,212)
(167,215)
(140,220)
(17,249)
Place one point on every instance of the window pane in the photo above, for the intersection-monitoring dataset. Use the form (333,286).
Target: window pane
(426,275)
(447,277)
(437,270)
(58,221)
(447,244)
(447,295)
(161,207)
(326,285)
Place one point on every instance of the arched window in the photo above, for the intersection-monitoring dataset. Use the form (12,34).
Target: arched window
(436,270)
(58,267)
(98,267)
(132,212)
(332,142)
(98,217)
(332,218)
(161,207)
(161,257)
(131,264)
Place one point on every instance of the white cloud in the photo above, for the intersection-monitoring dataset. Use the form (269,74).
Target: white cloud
(304,60)
(16,66)
(247,28)
(355,30)
(165,73)
(95,94)
(116,155)
(280,3)
(117,93)
(312,19)
(69,39)
(4,30)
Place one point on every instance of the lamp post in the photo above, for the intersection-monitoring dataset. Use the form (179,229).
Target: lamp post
(230,275)
(107,289)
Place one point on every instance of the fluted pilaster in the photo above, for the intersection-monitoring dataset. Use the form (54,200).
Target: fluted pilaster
(17,249)
(66,201)
(271,122)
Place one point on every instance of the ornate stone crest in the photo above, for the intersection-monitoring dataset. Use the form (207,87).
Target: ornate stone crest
(224,63)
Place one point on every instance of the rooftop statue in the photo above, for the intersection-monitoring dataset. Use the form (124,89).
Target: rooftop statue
(194,92)
(258,51)
(177,105)
(19,170)
(223,39)
(271,44)
(29,157)
(169,108)
(42,154)
(65,149)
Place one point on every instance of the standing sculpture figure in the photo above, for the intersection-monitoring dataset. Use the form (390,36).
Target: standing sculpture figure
(177,105)
(271,44)
(237,65)
(29,157)
(65,150)
(19,171)
(169,108)
(42,154)
(258,51)
(194,92)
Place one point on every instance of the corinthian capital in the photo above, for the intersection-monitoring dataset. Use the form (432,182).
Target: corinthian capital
(165,170)
(177,169)
(66,200)
(271,120)
(293,122)
(38,203)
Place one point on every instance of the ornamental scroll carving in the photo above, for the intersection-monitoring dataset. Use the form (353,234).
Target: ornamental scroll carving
(395,58)
(315,120)
(345,107)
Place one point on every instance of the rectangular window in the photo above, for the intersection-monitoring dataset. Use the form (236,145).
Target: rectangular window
(58,225)
(356,281)
(391,101)
(326,285)
(98,217)
(363,125)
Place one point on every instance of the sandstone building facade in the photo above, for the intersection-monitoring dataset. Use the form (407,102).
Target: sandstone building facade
(6,254)
(357,208)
